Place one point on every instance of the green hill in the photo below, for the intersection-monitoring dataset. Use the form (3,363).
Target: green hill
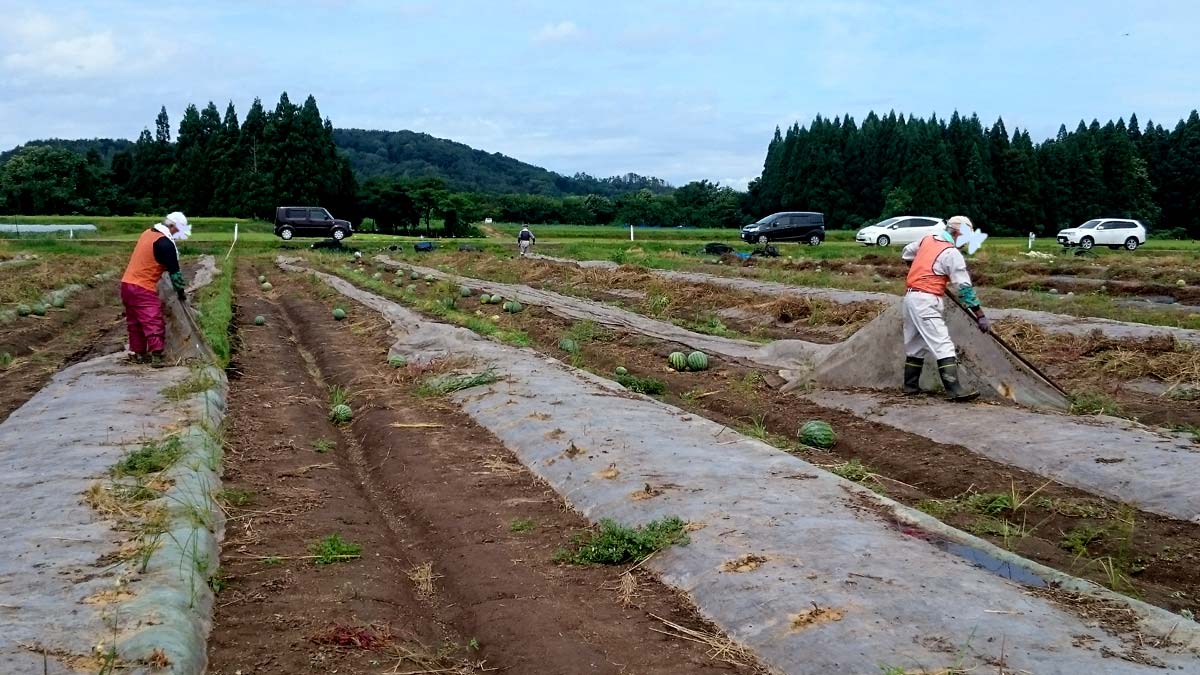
(408,154)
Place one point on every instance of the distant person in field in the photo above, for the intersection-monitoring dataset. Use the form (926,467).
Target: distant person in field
(154,254)
(936,264)
(525,239)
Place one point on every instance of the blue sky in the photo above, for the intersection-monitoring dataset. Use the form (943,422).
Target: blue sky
(680,90)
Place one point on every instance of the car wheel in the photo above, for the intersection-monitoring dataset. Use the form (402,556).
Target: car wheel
(1086,243)
(286,234)
(339,234)
(762,239)
(814,240)
(1132,243)
(883,240)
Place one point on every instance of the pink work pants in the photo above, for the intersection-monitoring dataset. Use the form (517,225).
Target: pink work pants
(144,318)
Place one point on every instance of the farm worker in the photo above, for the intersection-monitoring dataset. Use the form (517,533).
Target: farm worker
(936,263)
(525,239)
(154,253)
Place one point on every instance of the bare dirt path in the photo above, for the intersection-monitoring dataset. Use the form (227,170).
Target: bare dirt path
(415,483)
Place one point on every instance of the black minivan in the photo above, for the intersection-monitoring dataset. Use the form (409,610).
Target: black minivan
(309,221)
(805,226)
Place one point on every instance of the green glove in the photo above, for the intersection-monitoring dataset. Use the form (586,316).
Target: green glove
(177,281)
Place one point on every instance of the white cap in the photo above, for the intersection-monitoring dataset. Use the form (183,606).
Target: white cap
(959,221)
(180,221)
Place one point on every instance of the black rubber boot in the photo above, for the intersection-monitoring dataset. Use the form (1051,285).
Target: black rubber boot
(912,375)
(948,370)
(157,360)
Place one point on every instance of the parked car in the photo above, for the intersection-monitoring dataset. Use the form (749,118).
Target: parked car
(899,230)
(1111,232)
(309,221)
(805,226)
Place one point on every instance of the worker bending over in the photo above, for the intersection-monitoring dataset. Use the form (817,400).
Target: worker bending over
(154,254)
(936,263)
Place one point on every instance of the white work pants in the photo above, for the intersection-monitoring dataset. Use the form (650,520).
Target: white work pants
(523,246)
(924,326)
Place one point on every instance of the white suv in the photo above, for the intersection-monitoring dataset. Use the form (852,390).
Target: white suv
(1110,232)
(899,230)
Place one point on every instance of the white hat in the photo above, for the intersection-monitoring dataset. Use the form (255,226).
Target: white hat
(960,221)
(180,221)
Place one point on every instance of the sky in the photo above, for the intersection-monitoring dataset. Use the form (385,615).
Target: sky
(678,90)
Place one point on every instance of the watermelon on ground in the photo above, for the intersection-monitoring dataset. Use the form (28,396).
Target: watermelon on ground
(39,309)
(429,278)
(678,361)
(339,313)
(817,433)
(260,320)
(397,361)
(267,286)
(621,370)
(464,291)
(697,361)
(485,299)
(261,278)
(414,275)
(24,310)
(513,307)
(340,414)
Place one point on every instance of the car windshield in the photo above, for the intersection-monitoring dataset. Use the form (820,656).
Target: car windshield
(885,223)
(1089,225)
(764,220)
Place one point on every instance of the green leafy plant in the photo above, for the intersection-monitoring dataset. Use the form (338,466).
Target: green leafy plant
(333,549)
(642,385)
(852,470)
(195,383)
(521,525)
(614,544)
(323,445)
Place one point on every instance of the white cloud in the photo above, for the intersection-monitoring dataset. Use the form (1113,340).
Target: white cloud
(557,32)
(66,57)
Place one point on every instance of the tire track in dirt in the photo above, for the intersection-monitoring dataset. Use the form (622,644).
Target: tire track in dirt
(445,495)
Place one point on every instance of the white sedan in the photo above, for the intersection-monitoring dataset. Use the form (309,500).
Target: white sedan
(899,230)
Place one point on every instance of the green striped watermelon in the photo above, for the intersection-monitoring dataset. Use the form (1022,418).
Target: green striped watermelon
(697,361)
(414,275)
(485,299)
(621,370)
(678,361)
(464,291)
(340,414)
(817,433)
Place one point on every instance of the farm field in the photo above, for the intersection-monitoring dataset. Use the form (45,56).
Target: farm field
(420,530)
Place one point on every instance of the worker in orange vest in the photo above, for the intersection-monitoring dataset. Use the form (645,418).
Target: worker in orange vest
(936,264)
(154,254)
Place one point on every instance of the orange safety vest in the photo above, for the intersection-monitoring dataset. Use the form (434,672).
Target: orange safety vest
(921,276)
(143,270)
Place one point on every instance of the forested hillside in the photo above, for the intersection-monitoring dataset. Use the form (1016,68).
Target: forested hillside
(408,154)
(895,164)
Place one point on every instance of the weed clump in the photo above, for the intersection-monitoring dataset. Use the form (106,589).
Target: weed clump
(616,544)
(197,382)
(642,385)
(152,457)
(440,386)
(333,549)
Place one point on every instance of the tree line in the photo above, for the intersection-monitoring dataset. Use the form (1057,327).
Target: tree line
(855,174)
(216,165)
(893,165)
